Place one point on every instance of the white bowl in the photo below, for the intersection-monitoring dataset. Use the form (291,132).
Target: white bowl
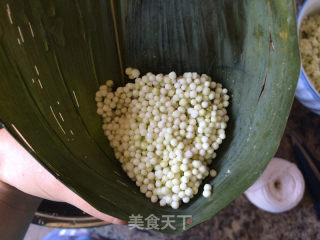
(305,91)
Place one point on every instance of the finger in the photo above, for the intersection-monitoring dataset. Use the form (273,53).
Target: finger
(72,198)
(20,169)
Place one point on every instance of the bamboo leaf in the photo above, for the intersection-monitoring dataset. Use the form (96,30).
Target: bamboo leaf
(54,54)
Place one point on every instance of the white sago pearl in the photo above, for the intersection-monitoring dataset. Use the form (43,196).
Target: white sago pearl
(206,193)
(164,130)
(213,173)
(207,187)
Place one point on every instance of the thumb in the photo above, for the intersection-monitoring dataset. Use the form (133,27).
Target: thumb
(73,199)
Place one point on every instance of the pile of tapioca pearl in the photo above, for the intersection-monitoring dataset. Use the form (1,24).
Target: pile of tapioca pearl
(165,131)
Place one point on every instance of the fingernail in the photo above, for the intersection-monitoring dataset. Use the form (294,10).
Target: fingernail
(118,221)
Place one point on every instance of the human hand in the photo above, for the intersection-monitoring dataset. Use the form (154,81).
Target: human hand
(20,170)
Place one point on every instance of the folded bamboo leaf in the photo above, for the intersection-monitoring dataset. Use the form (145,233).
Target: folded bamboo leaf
(54,54)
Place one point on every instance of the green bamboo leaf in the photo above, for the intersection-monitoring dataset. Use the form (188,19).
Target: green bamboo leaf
(54,54)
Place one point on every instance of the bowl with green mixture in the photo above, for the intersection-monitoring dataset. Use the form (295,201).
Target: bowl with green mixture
(308,88)
(55,54)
